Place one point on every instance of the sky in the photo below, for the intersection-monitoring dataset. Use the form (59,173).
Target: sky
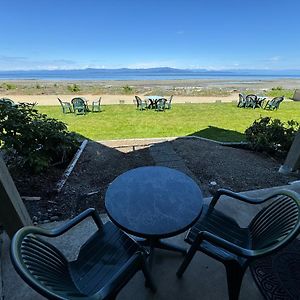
(206,34)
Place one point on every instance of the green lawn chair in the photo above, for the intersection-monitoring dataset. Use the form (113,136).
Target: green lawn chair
(105,263)
(169,103)
(274,103)
(140,104)
(251,101)
(161,105)
(66,106)
(96,105)
(219,236)
(79,106)
(242,101)
(7,101)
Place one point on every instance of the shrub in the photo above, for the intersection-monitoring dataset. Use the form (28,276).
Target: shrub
(9,86)
(277,88)
(73,88)
(271,136)
(36,141)
(128,89)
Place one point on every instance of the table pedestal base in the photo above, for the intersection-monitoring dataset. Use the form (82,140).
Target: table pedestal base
(157,243)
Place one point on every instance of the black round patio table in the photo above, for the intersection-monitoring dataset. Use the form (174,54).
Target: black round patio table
(154,203)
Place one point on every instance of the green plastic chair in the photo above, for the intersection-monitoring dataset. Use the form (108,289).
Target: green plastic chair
(79,106)
(219,236)
(161,105)
(274,103)
(251,101)
(169,103)
(105,263)
(140,104)
(242,101)
(96,105)
(66,106)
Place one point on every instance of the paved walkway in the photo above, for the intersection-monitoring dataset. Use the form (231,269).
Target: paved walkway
(116,99)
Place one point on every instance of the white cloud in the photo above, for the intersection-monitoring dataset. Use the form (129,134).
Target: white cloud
(25,63)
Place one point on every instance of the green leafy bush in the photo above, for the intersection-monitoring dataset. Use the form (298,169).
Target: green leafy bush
(277,88)
(128,89)
(35,141)
(9,86)
(272,136)
(74,88)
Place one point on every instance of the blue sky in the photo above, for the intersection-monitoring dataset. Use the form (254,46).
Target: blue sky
(211,34)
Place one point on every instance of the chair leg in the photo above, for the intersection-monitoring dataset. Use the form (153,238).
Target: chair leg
(149,281)
(186,261)
(235,273)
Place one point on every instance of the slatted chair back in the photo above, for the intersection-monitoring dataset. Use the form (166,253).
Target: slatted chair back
(251,100)
(46,267)
(169,102)
(275,222)
(96,105)
(7,101)
(161,105)
(274,103)
(140,104)
(138,101)
(78,105)
(242,101)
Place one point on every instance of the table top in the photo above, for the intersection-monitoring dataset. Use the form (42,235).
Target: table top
(153,202)
(155,97)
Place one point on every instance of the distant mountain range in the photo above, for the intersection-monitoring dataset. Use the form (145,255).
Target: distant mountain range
(145,74)
(161,70)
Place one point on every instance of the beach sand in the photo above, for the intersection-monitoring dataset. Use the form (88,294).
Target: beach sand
(114,99)
(46,92)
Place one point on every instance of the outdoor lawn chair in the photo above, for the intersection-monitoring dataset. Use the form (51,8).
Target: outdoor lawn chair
(219,235)
(105,263)
(260,101)
(7,101)
(169,103)
(96,105)
(140,104)
(251,101)
(161,105)
(66,106)
(274,103)
(79,106)
(242,101)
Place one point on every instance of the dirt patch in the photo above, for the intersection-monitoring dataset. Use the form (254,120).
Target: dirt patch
(218,166)
(214,166)
(96,168)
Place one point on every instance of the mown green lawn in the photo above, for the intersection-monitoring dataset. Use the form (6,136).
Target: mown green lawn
(218,121)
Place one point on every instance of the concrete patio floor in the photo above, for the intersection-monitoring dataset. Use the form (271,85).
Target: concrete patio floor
(204,279)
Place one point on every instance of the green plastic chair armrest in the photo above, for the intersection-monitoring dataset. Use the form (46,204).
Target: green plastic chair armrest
(234,195)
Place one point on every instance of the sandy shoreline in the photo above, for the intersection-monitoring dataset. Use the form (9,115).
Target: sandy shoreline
(46,92)
(288,83)
(115,99)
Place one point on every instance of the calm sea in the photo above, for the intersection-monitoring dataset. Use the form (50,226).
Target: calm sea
(142,74)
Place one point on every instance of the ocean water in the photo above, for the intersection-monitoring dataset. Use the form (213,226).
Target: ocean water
(143,74)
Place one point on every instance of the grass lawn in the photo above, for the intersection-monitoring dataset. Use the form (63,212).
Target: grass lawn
(218,121)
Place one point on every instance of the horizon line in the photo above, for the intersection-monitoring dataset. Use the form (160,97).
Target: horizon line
(151,68)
